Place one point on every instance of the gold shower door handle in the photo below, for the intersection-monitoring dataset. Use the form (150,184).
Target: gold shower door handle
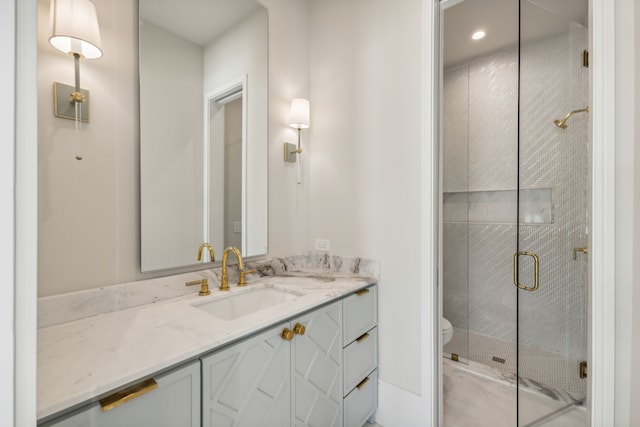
(536,271)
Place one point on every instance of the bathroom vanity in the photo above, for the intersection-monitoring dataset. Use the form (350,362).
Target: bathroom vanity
(294,349)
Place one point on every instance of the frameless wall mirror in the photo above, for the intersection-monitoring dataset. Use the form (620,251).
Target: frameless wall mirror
(203,129)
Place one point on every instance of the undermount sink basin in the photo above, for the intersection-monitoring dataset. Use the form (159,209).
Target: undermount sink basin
(236,306)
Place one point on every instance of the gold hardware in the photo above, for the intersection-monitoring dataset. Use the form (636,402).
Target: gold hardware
(287,334)
(361,292)
(362,383)
(224,280)
(241,279)
(536,271)
(562,123)
(575,251)
(204,286)
(299,329)
(123,396)
(63,105)
(585,58)
(583,369)
(212,256)
(290,152)
(362,337)
(455,357)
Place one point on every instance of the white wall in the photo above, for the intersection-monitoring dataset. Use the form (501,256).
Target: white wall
(366,137)
(26,213)
(171,148)
(7,210)
(627,372)
(635,321)
(289,202)
(89,210)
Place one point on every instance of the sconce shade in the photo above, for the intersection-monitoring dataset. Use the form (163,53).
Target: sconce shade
(299,115)
(75,28)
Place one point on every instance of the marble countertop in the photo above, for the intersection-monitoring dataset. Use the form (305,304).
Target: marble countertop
(83,359)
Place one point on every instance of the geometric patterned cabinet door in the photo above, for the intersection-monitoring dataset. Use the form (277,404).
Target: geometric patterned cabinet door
(248,383)
(317,368)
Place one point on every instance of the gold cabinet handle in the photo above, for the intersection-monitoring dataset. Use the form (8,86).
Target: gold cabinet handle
(123,396)
(299,329)
(287,334)
(536,271)
(362,337)
(362,383)
(361,292)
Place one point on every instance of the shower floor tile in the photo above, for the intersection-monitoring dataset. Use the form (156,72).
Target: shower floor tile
(557,372)
(474,395)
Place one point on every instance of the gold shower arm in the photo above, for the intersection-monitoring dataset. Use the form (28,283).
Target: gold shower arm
(561,123)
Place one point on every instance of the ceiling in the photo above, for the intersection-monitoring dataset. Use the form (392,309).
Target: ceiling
(199,21)
(499,20)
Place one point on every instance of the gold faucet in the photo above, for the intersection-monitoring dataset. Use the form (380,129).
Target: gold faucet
(224,281)
(212,256)
(204,286)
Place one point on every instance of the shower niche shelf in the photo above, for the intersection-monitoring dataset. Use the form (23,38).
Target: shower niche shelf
(498,206)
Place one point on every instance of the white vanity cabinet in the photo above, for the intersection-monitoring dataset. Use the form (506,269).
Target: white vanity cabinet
(315,369)
(360,367)
(173,402)
(248,383)
(316,357)
(290,374)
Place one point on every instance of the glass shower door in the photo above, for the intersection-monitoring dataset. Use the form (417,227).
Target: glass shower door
(550,265)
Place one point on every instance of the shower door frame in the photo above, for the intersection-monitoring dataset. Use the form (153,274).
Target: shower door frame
(602,258)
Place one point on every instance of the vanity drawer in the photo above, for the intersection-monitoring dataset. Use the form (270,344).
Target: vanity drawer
(360,313)
(360,358)
(361,403)
(173,401)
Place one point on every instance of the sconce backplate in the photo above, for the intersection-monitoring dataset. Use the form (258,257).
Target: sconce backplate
(290,152)
(62,105)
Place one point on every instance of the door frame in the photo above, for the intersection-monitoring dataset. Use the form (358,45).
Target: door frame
(601,329)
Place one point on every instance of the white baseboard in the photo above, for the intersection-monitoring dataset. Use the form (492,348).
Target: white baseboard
(400,408)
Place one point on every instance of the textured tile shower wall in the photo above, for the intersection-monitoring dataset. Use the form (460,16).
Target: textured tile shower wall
(481,155)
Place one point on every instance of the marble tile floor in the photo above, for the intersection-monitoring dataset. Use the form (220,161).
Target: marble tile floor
(480,396)
(554,370)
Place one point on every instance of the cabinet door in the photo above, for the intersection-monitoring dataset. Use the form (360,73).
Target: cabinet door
(175,403)
(317,368)
(248,384)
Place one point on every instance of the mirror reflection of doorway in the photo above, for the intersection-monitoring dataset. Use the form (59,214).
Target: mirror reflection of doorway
(226,142)
(515,194)
(233,174)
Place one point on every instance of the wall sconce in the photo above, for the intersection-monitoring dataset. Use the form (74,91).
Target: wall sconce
(75,31)
(299,119)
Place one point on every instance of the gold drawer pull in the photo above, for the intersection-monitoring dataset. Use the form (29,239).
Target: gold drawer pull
(123,396)
(361,292)
(362,383)
(362,337)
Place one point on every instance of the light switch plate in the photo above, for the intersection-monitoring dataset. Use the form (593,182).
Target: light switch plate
(323,244)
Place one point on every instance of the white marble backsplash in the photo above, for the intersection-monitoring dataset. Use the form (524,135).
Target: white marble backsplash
(57,309)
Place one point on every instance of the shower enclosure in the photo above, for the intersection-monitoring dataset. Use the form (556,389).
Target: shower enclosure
(515,195)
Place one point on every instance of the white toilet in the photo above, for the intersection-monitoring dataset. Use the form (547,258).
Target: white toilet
(447,331)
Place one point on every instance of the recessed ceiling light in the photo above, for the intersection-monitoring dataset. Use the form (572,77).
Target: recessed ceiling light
(478,35)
